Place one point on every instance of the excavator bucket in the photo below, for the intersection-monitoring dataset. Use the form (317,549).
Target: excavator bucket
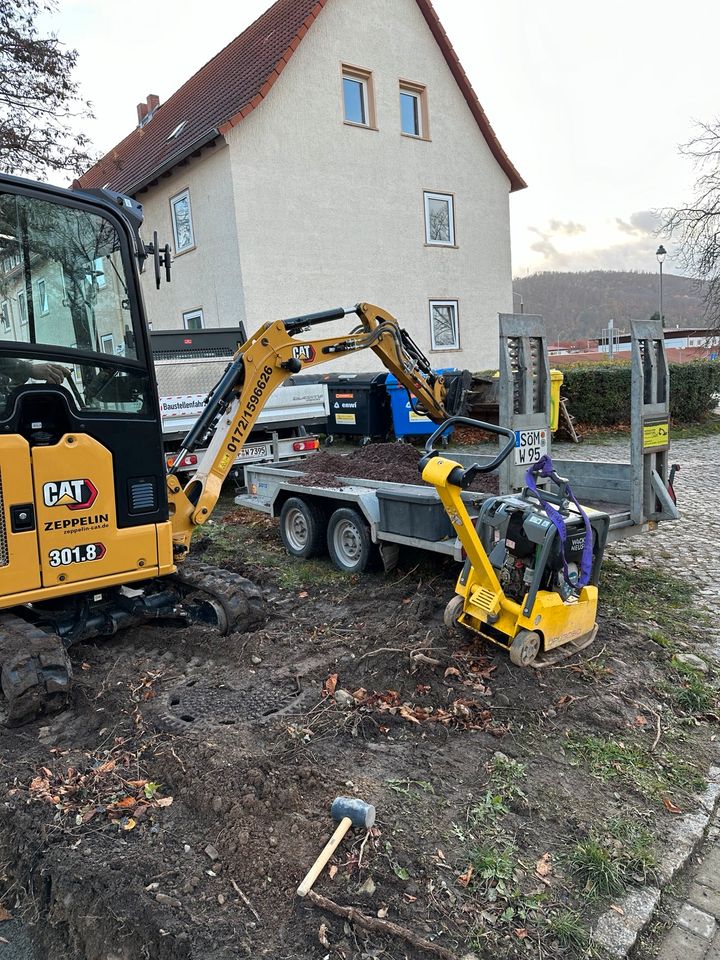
(458,390)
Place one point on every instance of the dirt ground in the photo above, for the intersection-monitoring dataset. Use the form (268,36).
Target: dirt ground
(172,810)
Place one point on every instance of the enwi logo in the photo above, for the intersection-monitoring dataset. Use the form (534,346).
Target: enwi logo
(73,494)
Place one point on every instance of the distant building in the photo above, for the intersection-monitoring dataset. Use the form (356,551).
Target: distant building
(333,152)
(682,345)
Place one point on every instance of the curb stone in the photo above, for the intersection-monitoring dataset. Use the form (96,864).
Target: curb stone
(616,932)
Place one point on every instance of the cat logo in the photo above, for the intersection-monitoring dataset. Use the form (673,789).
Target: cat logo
(306,353)
(73,494)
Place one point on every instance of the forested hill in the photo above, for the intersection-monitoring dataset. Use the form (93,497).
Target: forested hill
(578,305)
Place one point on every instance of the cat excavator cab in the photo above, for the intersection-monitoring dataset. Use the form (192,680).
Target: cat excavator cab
(94,531)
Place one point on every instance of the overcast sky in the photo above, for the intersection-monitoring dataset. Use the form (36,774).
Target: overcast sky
(590,101)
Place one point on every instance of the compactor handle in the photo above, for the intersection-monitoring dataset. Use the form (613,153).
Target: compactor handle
(460,477)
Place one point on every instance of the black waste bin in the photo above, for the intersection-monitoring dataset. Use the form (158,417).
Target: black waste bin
(359,404)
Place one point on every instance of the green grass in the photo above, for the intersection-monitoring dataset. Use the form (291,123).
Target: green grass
(567,928)
(647,593)
(688,689)
(631,762)
(606,864)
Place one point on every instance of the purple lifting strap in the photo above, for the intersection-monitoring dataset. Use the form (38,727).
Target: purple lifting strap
(544,469)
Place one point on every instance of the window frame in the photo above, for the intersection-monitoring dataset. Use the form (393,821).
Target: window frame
(43,302)
(22,308)
(182,195)
(191,315)
(429,195)
(442,348)
(365,79)
(6,316)
(103,338)
(419,91)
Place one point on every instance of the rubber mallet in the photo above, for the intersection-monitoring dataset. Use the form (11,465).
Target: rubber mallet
(350,812)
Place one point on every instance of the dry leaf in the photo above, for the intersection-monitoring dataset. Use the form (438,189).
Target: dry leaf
(106,767)
(452,672)
(322,935)
(521,933)
(84,666)
(440,854)
(329,685)
(303,594)
(382,912)
(465,878)
(332,871)
(543,868)
(163,802)
(617,909)
(4,914)
(670,806)
(123,804)
(128,823)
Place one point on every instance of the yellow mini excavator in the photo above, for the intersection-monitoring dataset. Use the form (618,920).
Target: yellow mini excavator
(94,532)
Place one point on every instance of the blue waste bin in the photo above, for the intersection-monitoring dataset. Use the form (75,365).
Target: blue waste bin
(407,423)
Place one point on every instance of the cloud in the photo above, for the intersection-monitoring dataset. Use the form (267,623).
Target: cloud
(567,227)
(641,223)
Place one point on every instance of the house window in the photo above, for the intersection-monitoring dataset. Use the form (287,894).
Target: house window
(439,219)
(98,273)
(22,308)
(182,222)
(444,327)
(5,316)
(42,297)
(413,111)
(358,97)
(193,320)
(108,344)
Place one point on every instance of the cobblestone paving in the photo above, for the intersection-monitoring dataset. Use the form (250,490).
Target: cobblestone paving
(689,547)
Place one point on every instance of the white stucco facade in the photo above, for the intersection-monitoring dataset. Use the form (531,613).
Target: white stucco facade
(300,211)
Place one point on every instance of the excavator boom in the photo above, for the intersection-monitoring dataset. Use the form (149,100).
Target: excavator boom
(261,365)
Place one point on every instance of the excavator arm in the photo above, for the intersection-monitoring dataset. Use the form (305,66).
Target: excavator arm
(260,366)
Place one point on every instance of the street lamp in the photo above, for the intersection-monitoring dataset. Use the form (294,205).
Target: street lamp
(661,253)
(522,305)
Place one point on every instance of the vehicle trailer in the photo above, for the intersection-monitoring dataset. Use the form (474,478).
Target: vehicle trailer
(357,513)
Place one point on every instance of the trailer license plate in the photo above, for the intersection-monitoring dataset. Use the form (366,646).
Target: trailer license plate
(530,445)
(253,450)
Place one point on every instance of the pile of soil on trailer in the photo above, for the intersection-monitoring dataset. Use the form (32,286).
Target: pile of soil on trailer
(171,811)
(394,462)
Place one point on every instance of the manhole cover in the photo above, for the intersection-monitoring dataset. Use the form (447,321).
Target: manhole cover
(198,701)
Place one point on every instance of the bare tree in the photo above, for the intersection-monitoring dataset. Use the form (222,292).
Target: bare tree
(695,228)
(39,101)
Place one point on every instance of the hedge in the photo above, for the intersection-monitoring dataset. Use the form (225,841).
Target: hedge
(600,394)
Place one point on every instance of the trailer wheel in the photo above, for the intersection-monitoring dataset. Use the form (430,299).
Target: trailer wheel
(302,527)
(349,542)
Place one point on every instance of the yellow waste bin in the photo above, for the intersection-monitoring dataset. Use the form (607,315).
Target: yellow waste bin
(556,381)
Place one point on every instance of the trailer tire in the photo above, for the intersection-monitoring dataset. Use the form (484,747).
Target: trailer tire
(303,525)
(349,542)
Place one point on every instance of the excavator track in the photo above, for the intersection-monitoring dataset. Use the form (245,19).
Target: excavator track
(36,670)
(230,602)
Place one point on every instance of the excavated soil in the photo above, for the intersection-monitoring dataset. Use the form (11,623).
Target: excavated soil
(171,811)
(394,462)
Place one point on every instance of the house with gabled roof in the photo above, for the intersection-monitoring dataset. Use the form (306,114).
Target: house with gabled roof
(334,152)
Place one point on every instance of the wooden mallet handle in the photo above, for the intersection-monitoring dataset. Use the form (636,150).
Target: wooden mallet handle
(328,850)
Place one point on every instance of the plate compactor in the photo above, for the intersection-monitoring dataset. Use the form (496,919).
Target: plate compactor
(529,583)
